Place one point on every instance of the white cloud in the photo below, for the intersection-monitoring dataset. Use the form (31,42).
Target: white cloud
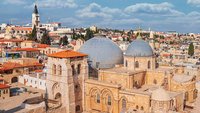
(95,10)
(15,2)
(57,3)
(194,2)
(165,9)
(125,21)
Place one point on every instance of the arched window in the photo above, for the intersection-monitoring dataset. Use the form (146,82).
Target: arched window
(137,107)
(126,63)
(149,64)
(136,64)
(59,70)
(123,104)
(54,69)
(142,108)
(73,70)
(79,69)
(109,100)
(155,81)
(98,98)
(78,108)
(195,94)
(186,96)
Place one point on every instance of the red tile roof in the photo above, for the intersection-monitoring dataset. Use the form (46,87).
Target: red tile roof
(4,86)
(42,45)
(22,28)
(25,49)
(10,40)
(67,54)
(38,71)
(12,65)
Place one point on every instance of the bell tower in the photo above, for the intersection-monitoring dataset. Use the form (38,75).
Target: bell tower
(35,17)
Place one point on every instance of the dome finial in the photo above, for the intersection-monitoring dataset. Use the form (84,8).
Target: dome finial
(139,35)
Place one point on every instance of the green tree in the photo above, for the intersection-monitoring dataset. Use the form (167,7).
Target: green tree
(191,49)
(124,39)
(46,39)
(64,41)
(89,34)
(60,41)
(33,35)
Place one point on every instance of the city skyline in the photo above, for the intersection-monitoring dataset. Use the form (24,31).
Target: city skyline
(160,15)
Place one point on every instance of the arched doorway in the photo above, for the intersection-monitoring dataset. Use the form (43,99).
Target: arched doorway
(58,97)
(14,80)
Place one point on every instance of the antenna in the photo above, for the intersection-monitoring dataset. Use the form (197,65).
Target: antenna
(36,2)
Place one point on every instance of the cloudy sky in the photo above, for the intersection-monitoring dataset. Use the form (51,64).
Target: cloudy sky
(159,15)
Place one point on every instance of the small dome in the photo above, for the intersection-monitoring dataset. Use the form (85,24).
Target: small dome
(183,78)
(139,48)
(102,52)
(160,95)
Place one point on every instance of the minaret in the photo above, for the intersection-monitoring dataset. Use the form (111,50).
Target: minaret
(35,17)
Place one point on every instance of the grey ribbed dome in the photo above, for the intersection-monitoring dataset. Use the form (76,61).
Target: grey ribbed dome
(139,48)
(102,50)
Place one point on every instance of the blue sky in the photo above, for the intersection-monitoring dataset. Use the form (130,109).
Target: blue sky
(159,15)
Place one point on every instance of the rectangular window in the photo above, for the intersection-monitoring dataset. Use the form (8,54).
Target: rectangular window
(98,98)
(109,100)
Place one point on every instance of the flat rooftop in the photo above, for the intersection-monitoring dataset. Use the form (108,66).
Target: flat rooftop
(122,70)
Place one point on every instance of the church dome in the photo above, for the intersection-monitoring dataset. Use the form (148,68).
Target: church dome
(139,48)
(102,52)
(160,95)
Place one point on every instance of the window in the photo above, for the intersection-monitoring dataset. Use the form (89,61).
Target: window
(149,64)
(73,70)
(60,70)
(123,104)
(78,108)
(142,108)
(136,64)
(98,98)
(54,69)
(109,100)
(195,94)
(137,107)
(186,96)
(126,63)
(155,81)
(161,103)
(79,69)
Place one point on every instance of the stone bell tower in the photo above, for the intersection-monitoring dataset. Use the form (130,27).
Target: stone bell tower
(35,17)
(66,73)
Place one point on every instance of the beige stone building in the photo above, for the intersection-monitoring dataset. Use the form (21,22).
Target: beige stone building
(113,82)
(11,70)
(27,52)
(65,79)
(28,44)
(4,91)
(137,84)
